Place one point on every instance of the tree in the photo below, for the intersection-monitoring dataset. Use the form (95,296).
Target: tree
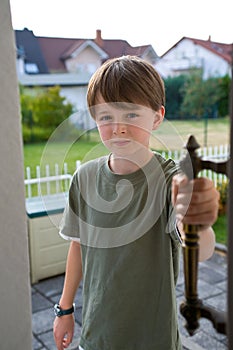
(50,109)
(194,96)
(42,111)
(26,103)
(204,97)
(174,95)
(224,96)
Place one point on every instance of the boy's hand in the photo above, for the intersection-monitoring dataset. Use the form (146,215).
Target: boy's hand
(196,201)
(63,331)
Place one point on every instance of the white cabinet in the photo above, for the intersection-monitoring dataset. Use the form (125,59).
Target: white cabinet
(47,250)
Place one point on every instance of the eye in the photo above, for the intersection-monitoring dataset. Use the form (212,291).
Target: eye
(104,118)
(132,115)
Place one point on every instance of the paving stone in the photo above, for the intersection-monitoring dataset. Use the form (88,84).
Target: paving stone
(210,275)
(219,302)
(36,344)
(42,321)
(219,260)
(180,281)
(222,285)
(51,286)
(179,291)
(217,263)
(48,340)
(39,302)
(188,344)
(33,290)
(207,341)
(208,327)
(207,290)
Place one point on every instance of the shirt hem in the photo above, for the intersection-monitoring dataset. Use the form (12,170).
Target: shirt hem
(69,238)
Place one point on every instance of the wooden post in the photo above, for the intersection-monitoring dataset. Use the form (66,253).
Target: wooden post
(15,292)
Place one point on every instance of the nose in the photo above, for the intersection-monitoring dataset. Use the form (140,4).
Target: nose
(119,128)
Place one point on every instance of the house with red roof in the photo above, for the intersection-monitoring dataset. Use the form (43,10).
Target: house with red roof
(48,55)
(69,62)
(211,58)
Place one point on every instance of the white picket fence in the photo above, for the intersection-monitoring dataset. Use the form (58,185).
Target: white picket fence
(57,180)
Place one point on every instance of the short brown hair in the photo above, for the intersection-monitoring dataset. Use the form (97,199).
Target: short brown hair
(127,79)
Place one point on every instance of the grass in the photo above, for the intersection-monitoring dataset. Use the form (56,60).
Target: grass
(170,136)
(60,153)
(220,228)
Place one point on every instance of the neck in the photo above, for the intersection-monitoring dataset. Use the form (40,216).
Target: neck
(125,165)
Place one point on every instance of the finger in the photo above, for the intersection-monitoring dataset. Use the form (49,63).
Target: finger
(58,341)
(202,184)
(205,219)
(67,340)
(204,213)
(198,205)
(203,208)
(196,185)
(59,344)
(201,191)
(177,182)
(197,198)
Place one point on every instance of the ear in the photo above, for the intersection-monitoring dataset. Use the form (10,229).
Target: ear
(159,116)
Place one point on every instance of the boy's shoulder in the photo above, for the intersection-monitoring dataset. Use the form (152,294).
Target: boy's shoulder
(166,163)
(91,166)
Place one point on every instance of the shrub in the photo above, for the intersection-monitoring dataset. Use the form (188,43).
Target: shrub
(36,134)
(223,190)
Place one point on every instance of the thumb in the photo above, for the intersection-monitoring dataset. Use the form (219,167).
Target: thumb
(177,181)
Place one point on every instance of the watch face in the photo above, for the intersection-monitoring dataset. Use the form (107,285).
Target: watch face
(57,310)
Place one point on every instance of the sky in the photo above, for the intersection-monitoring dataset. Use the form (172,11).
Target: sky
(160,23)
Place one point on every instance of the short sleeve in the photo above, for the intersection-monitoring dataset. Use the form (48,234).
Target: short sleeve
(69,225)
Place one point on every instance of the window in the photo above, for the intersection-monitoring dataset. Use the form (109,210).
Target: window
(31,68)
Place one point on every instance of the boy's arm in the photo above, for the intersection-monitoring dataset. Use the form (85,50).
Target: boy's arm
(196,202)
(63,328)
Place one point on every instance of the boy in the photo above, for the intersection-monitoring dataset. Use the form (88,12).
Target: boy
(122,218)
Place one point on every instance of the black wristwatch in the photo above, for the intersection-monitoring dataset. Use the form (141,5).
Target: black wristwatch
(59,312)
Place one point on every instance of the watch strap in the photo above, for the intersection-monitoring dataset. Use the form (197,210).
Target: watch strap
(61,312)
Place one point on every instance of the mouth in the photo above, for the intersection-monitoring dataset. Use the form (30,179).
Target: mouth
(121,142)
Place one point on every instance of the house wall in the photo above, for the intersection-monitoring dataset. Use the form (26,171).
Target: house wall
(187,55)
(150,57)
(77,96)
(87,60)
(20,66)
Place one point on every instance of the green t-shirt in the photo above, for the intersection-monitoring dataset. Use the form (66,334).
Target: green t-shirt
(130,255)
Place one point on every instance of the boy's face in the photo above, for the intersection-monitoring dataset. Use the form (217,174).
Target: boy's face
(125,127)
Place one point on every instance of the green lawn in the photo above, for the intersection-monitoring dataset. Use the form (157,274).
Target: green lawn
(220,228)
(60,153)
(173,134)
